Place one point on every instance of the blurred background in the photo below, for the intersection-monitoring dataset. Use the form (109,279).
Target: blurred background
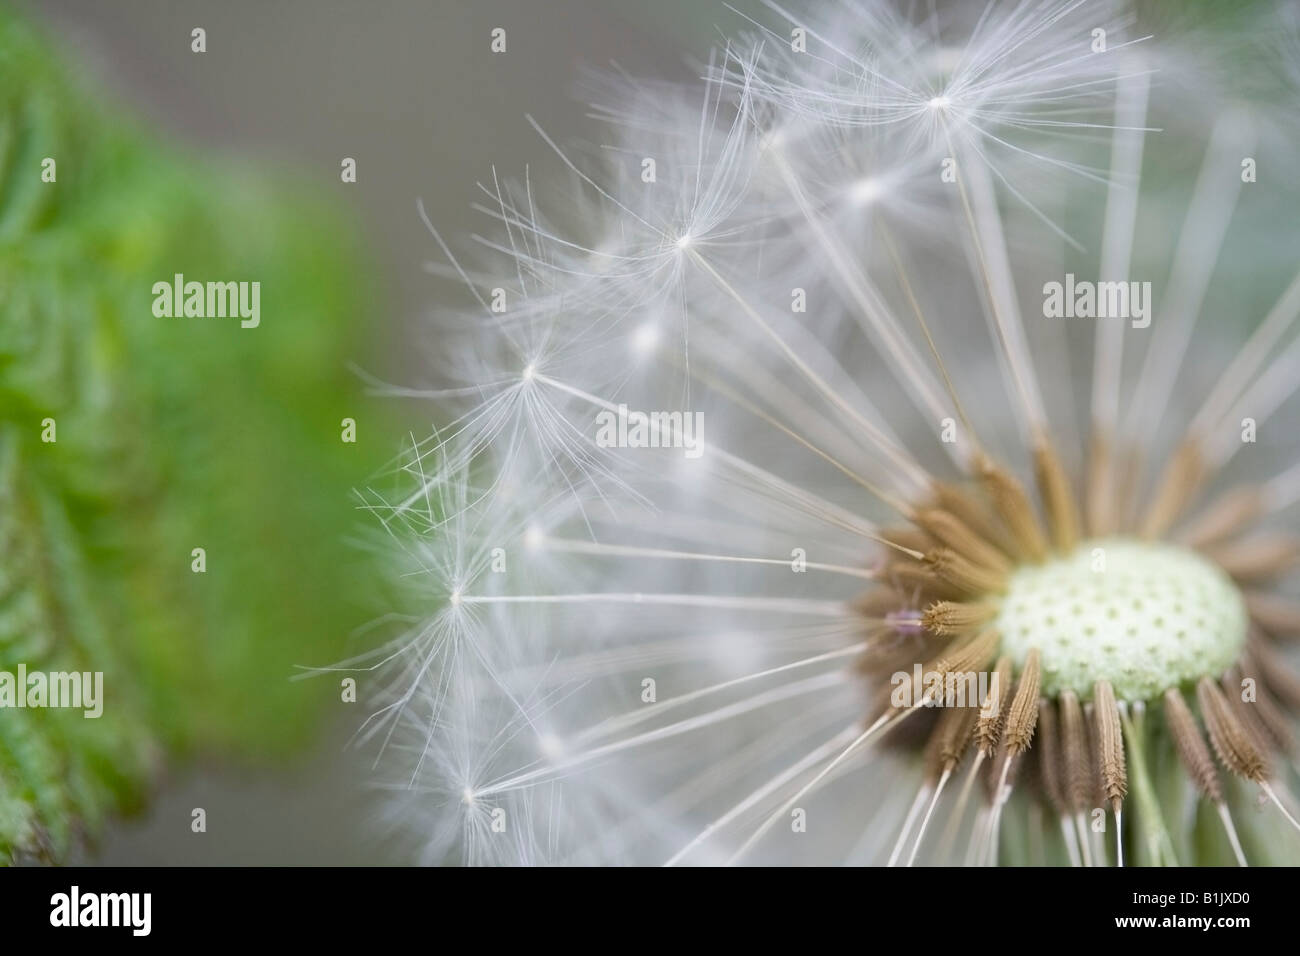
(408,88)
(284,91)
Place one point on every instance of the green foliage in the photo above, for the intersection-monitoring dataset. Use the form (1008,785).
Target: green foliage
(172,434)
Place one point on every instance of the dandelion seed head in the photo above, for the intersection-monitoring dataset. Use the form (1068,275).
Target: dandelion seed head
(647,655)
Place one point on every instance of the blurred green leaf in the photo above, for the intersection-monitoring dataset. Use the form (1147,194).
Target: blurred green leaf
(172,434)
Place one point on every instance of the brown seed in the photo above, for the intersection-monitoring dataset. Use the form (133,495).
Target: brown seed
(958,740)
(1078,760)
(1260,557)
(955,617)
(952,735)
(1058,497)
(930,759)
(1049,755)
(971,511)
(972,579)
(970,656)
(1100,491)
(1005,762)
(1012,503)
(1247,713)
(1094,755)
(1174,490)
(1191,746)
(1275,615)
(1236,508)
(948,529)
(1275,720)
(1231,741)
(913,539)
(876,603)
(1270,727)
(886,652)
(1110,744)
(988,726)
(1022,717)
(1263,659)
(1129,468)
(914,576)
